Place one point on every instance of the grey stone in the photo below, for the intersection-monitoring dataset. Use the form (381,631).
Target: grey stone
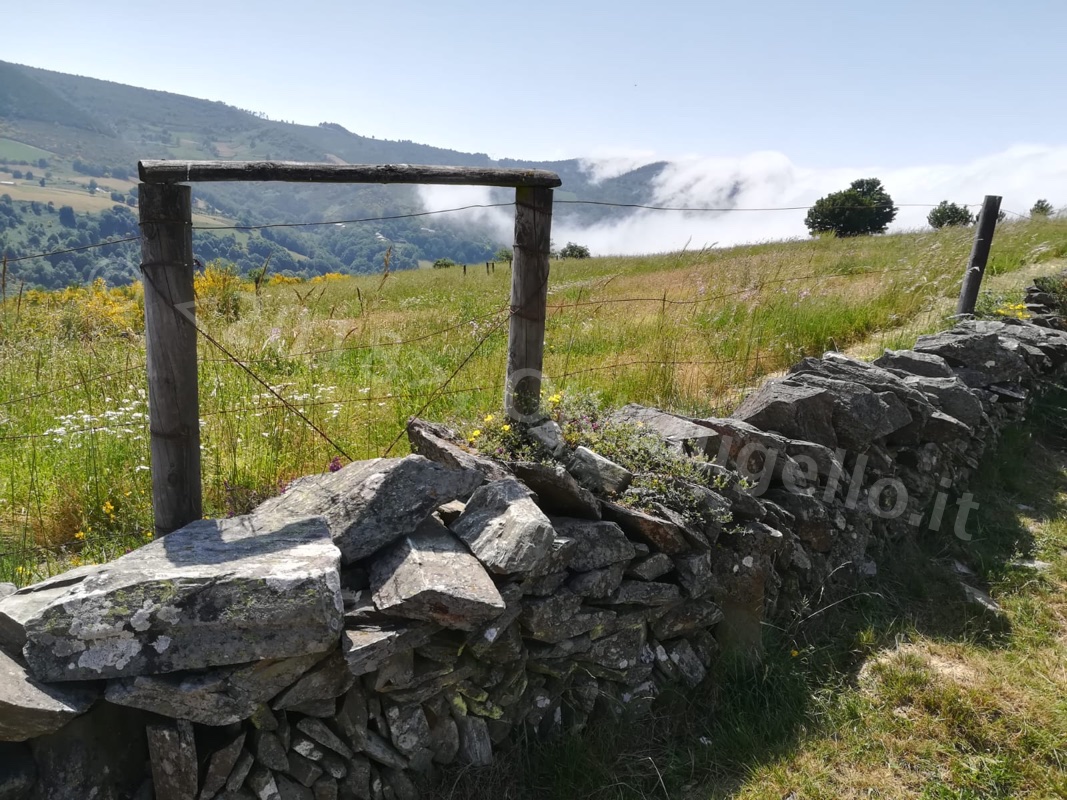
(475,747)
(352,717)
(734,436)
(219,767)
(365,648)
(664,535)
(370,504)
(598,474)
(155,610)
(263,718)
(7,589)
(954,397)
(213,697)
(18,773)
(382,752)
(644,593)
(860,415)
(304,769)
(617,653)
(289,789)
(262,783)
(239,773)
(269,751)
(325,789)
(596,544)
(356,784)
(598,583)
(926,365)
(316,708)
(328,679)
(29,708)
(679,434)
(333,764)
(449,512)
(444,740)
(688,666)
(793,409)
(408,728)
(987,357)
(504,529)
(695,573)
(443,445)
(430,575)
(556,489)
(686,618)
(943,428)
(812,523)
(556,618)
(400,784)
(316,729)
(308,748)
(103,754)
(650,568)
(550,436)
(544,585)
(174,765)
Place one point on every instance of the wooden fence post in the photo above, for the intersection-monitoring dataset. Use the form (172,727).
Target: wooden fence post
(170,342)
(983,238)
(529,296)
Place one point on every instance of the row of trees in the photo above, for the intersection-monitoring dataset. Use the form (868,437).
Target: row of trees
(865,208)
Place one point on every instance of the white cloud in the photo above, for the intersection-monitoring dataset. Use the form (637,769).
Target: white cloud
(1021,174)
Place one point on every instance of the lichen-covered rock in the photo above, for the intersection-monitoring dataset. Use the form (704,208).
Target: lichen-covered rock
(928,365)
(29,708)
(367,647)
(985,357)
(650,568)
(430,575)
(663,534)
(679,434)
(793,409)
(370,504)
(212,697)
(505,529)
(155,610)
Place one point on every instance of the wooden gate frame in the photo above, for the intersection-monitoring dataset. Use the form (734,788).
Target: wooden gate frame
(165,205)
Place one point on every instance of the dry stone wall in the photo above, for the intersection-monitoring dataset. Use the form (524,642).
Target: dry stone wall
(369,626)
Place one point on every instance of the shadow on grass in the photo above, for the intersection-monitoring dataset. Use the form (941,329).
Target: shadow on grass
(703,744)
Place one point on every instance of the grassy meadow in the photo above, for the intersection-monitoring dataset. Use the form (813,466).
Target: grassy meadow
(358,355)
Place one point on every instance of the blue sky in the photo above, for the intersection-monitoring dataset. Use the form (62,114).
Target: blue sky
(941,99)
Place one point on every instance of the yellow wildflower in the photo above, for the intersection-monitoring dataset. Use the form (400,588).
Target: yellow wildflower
(488,418)
(556,399)
(794,653)
(107,507)
(148,535)
(505,428)
(476,433)
(80,536)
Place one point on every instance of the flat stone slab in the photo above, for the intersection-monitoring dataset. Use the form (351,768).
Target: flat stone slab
(214,593)
(370,504)
(441,444)
(599,474)
(29,709)
(505,529)
(430,575)
(215,697)
(596,544)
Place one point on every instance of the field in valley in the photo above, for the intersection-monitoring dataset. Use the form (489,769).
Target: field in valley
(358,355)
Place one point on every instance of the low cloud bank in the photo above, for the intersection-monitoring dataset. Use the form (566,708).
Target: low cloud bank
(1020,174)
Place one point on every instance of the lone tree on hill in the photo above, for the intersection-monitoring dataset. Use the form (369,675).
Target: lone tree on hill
(864,207)
(949,214)
(572,250)
(1042,208)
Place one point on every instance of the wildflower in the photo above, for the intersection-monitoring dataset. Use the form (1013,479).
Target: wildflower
(505,427)
(80,536)
(556,399)
(148,535)
(794,653)
(476,433)
(488,418)
(107,507)
(335,464)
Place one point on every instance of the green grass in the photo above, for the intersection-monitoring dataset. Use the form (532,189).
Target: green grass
(902,691)
(686,331)
(10,150)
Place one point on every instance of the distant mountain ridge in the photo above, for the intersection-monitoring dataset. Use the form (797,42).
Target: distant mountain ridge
(92,127)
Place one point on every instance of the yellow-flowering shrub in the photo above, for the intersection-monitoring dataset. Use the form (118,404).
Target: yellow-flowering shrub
(218,290)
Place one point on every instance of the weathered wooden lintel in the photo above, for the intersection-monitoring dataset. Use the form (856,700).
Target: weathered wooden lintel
(161,171)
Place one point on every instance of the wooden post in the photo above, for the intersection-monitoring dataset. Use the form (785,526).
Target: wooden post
(529,296)
(170,341)
(464,269)
(983,238)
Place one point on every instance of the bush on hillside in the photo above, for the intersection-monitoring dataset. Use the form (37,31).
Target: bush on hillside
(1042,208)
(949,214)
(443,263)
(572,250)
(863,208)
